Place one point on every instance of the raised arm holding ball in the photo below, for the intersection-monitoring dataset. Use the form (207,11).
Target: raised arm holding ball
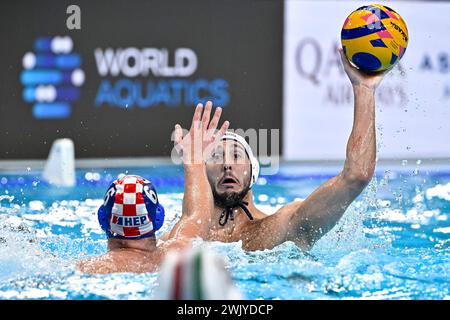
(231,170)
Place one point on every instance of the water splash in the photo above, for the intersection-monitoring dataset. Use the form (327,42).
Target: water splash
(357,259)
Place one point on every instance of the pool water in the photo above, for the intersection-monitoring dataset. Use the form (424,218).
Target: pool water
(392,243)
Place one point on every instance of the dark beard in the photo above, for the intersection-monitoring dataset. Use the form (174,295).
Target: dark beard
(229,200)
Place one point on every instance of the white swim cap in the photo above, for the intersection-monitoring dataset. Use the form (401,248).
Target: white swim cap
(229,135)
(195,274)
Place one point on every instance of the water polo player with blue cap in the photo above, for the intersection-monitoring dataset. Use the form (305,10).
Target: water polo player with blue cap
(130,215)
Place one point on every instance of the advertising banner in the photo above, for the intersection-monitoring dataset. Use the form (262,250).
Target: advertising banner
(116,76)
(412,103)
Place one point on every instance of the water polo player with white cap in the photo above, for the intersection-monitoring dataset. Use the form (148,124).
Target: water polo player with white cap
(232,171)
(236,199)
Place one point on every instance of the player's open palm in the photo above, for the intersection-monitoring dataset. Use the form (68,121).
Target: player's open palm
(202,136)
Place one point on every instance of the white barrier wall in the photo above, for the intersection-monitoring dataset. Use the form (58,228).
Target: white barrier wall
(413,102)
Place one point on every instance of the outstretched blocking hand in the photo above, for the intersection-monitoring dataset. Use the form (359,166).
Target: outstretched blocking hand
(202,135)
(357,77)
(195,145)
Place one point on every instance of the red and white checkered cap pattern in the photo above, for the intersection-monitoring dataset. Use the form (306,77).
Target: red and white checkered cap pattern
(129,215)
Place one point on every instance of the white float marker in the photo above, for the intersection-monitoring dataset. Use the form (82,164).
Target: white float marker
(60,166)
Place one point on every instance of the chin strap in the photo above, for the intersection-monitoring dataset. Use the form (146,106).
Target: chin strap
(228,212)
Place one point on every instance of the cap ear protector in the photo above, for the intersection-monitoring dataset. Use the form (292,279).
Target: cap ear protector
(154,208)
(120,218)
(253,161)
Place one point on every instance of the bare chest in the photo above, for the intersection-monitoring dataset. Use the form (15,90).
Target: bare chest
(223,235)
(231,233)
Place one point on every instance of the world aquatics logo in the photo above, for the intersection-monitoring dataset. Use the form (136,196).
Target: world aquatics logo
(52,77)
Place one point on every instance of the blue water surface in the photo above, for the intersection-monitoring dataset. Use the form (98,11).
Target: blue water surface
(392,243)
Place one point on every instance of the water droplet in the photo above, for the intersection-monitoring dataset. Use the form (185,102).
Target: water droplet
(404,162)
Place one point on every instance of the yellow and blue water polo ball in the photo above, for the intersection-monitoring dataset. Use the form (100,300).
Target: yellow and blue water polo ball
(374,37)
